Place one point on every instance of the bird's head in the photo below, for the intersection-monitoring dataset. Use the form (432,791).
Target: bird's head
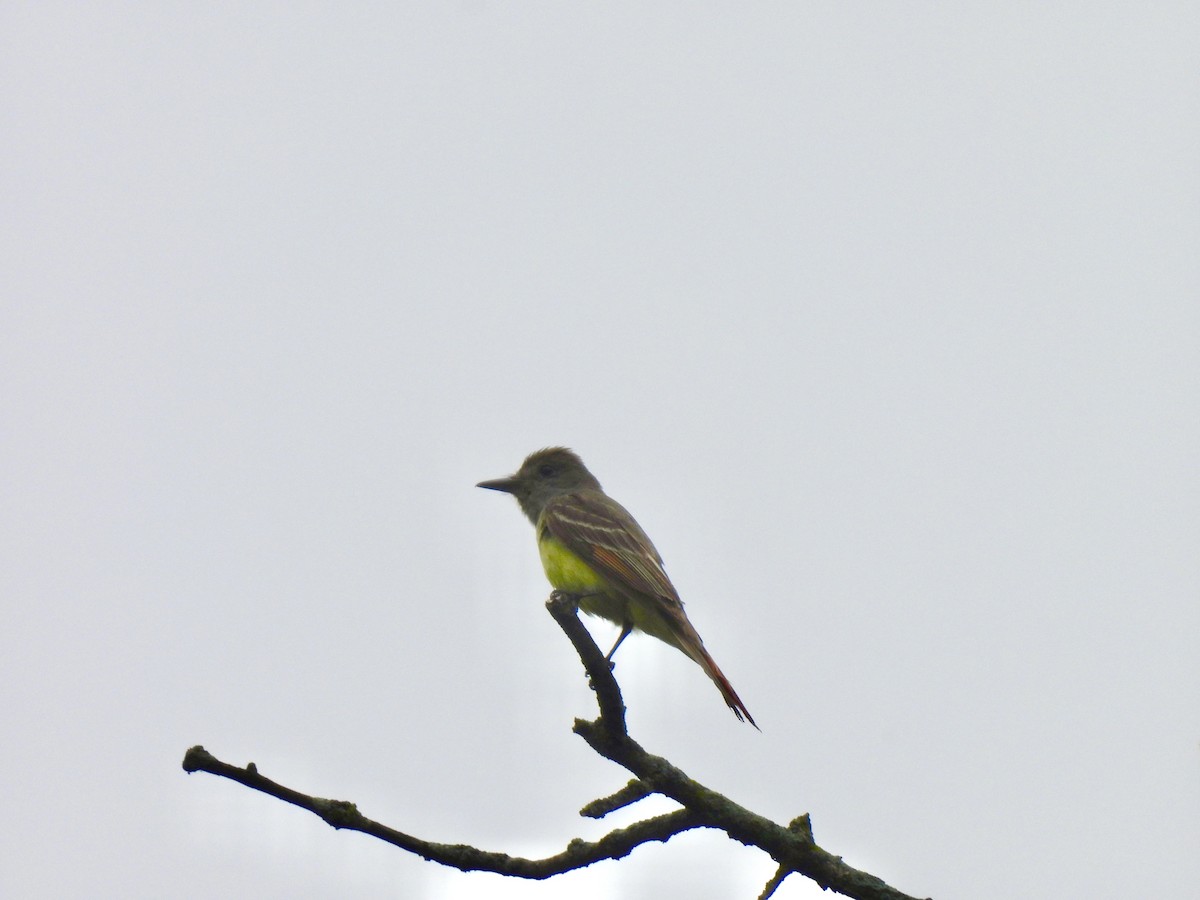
(544,475)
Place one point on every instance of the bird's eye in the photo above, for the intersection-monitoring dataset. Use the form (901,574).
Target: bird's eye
(545,470)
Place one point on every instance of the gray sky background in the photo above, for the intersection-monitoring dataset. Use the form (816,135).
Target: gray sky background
(882,319)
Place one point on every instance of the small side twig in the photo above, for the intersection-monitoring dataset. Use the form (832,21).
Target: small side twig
(626,796)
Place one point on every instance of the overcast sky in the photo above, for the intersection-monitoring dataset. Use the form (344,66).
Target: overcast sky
(883,319)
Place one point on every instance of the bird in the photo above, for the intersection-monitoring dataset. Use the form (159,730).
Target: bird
(592,548)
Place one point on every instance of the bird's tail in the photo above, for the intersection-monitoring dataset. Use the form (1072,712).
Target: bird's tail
(671,625)
(732,700)
(687,640)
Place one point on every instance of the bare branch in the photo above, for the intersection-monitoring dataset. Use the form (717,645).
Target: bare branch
(792,847)
(342,814)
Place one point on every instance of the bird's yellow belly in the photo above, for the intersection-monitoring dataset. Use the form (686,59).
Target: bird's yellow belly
(566,571)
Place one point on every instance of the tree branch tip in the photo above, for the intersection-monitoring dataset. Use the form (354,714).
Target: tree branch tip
(196,758)
(562,602)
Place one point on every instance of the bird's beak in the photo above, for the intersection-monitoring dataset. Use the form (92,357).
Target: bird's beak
(508,485)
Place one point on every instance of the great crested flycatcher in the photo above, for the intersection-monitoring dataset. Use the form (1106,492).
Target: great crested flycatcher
(592,547)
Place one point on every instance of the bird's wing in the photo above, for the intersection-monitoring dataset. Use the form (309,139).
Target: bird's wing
(599,530)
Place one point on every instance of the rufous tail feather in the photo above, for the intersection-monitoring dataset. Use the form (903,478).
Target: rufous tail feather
(732,700)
